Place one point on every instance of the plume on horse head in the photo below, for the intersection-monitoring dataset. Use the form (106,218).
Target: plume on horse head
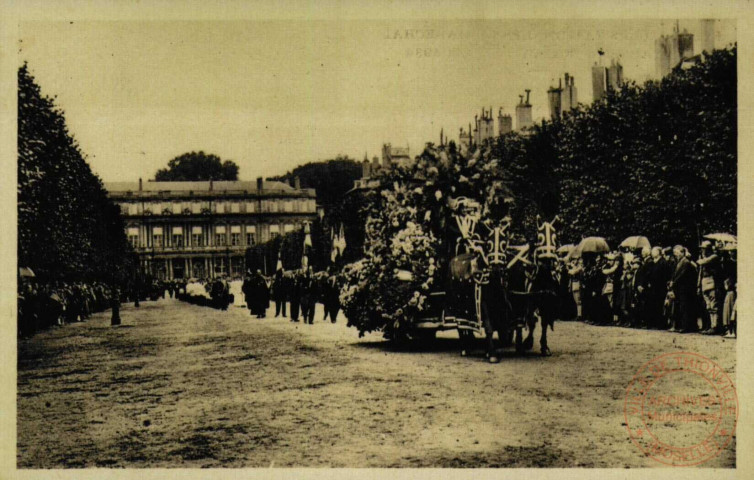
(547,239)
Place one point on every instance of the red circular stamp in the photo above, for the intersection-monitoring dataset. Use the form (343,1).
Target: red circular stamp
(681,409)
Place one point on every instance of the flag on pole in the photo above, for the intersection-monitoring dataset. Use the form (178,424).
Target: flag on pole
(280,262)
(333,246)
(307,243)
(342,240)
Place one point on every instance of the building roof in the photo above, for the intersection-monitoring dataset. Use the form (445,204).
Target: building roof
(217,186)
(202,189)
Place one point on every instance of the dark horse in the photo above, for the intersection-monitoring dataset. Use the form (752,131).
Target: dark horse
(544,303)
(490,298)
(502,300)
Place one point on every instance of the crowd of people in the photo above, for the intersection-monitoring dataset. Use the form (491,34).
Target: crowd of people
(41,305)
(654,288)
(293,293)
(296,292)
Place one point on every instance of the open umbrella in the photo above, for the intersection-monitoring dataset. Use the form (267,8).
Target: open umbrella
(591,245)
(722,237)
(26,272)
(636,242)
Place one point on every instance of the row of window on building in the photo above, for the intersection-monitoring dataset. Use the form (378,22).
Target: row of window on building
(254,206)
(198,236)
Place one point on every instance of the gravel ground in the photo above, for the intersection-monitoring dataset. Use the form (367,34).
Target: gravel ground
(185,386)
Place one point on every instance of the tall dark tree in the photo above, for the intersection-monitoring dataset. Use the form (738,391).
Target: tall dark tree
(197,166)
(658,160)
(68,229)
(331,178)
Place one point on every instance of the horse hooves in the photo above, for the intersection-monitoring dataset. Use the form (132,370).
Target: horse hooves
(494,360)
(528,344)
(464,353)
(546,352)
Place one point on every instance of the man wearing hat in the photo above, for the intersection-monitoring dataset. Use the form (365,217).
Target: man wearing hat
(683,284)
(248,291)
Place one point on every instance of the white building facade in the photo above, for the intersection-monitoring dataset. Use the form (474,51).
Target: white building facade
(202,229)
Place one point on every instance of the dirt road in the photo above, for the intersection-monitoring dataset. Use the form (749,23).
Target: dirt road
(186,386)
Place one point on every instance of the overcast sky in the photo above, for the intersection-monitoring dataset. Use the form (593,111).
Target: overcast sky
(273,95)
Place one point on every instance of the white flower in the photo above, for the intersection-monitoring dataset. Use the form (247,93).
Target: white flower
(438,195)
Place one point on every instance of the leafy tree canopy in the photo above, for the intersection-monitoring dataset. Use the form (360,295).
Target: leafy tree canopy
(68,229)
(197,166)
(331,178)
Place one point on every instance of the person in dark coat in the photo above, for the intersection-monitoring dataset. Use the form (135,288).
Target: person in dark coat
(220,294)
(294,294)
(279,293)
(248,292)
(655,289)
(641,281)
(308,297)
(331,296)
(596,309)
(683,284)
(261,295)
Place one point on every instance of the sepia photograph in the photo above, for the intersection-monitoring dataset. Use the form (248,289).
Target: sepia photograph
(390,242)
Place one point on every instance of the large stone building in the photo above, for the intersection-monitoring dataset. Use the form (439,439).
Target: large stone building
(202,229)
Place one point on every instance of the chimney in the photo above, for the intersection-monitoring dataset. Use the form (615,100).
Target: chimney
(140,184)
(527,96)
(297,182)
(260,184)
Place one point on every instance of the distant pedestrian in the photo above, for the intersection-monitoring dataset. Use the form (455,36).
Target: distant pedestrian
(248,292)
(575,273)
(308,298)
(729,309)
(331,296)
(711,287)
(655,285)
(683,284)
(260,295)
(279,293)
(294,294)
